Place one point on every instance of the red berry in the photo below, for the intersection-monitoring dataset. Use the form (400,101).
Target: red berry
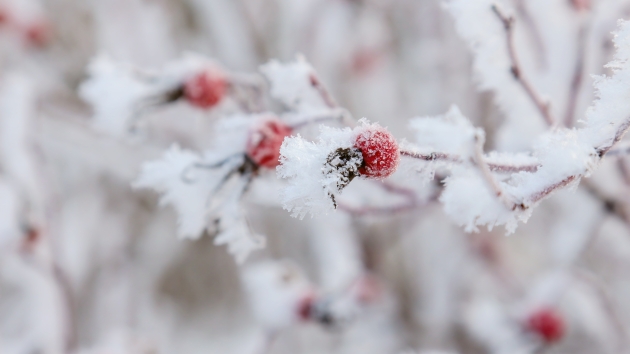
(379,150)
(546,323)
(38,34)
(206,89)
(305,307)
(263,145)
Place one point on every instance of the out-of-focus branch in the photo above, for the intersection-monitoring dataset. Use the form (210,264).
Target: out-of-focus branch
(412,202)
(543,106)
(608,307)
(612,205)
(578,77)
(537,38)
(487,173)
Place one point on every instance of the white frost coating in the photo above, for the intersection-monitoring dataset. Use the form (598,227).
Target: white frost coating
(114,94)
(169,177)
(563,159)
(291,84)
(274,290)
(312,183)
(509,159)
(451,133)
(200,194)
(611,109)
(470,202)
(119,92)
(233,229)
(199,198)
(564,156)
(479,26)
(302,163)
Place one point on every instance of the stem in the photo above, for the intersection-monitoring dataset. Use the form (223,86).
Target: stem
(494,167)
(323,91)
(432,156)
(601,151)
(543,106)
(333,115)
(487,173)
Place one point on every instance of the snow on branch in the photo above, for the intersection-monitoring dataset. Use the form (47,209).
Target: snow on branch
(318,171)
(206,191)
(498,69)
(296,85)
(121,93)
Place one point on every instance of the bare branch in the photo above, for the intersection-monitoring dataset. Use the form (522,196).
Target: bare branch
(542,105)
(493,166)
(433,156)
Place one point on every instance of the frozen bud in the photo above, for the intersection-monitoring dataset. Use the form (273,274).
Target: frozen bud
(379,150)
(345,163)
(264,141)
(206,89)
(318,171)
(547,324)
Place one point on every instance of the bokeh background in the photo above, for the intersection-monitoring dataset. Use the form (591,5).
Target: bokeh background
(90,265)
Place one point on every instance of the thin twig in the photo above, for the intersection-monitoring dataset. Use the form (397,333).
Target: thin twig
(432,156)
(494,166)
(543,106)
(487,173)
(323,91)
(332,115)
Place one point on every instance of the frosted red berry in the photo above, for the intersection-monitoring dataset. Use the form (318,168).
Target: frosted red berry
(547,324)
(206,89)
(263,144)
(379,150)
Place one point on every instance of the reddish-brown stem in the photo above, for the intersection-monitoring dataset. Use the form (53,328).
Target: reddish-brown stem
(543,107)
(601,151)
(534,32)
(494,167)
(323,91)
(432,156)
